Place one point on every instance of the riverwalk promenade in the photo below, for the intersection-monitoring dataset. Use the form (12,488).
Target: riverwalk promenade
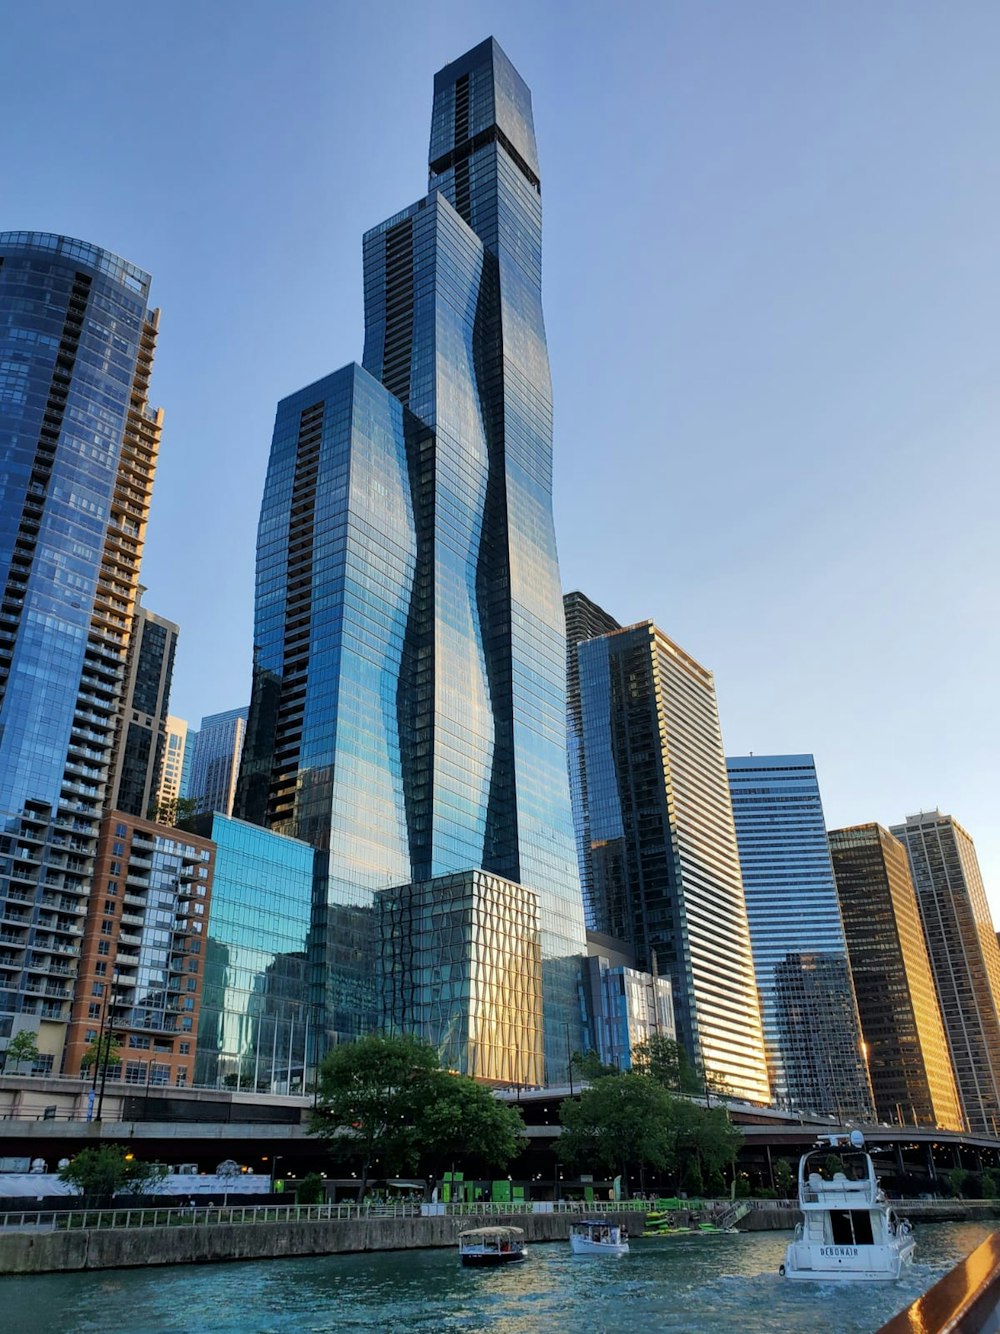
(42,1242)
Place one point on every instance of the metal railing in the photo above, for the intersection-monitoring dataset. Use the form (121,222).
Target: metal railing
(241,1214)
(50,1220)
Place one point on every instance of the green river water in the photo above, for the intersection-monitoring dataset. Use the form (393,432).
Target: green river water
(697,1284)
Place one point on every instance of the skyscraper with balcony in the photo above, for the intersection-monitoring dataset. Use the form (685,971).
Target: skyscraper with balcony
(408,703)
(812,1032)
(908,1056)
(964,954)
(79,443)
(663,852)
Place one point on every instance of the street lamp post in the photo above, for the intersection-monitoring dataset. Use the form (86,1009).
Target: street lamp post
(275,1160)
(104,1041)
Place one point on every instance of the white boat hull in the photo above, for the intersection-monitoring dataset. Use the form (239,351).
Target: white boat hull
(584,1246)
(847,1264)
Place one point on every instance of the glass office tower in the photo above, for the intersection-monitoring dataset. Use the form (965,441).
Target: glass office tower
(666,869)
(408,706)
(584,620)
(964,954)
(812,1032)
(908,1056)
(79,443)
(141,735)
(216,751)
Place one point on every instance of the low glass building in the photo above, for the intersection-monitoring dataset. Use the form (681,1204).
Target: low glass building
(256,1025)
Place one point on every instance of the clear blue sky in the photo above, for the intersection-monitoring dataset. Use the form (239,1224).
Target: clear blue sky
(772,295)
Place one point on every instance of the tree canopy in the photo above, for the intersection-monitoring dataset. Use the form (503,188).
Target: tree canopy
(386,1100)
(634,1121)
(666,1061)
(23,1046)
(102,1172)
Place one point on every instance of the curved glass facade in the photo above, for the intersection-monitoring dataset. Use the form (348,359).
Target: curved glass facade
(78,443)
(408,711)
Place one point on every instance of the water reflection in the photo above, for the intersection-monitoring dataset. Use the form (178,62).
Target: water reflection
(670,1284)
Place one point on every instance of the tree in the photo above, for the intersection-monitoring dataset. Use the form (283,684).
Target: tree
(956,1180)
(588,1065)
(173,811)
(619,1122)
(784,1177)
(105,1050)
(100,1173)
(705,1135)
(668,1063)
(23,1046)
(372,1091)
(310,1189)
(461,1119)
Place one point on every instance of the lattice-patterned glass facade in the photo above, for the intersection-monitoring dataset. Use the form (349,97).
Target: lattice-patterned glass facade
(964,954)
(663,845)
(460,962)
(811,1028)
(408,711)
(908,1057)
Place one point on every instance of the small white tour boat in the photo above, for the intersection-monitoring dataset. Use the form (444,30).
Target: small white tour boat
(488,1246)
(849,1229)
(592,1237)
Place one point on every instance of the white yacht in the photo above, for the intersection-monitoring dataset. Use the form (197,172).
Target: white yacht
(849,1230)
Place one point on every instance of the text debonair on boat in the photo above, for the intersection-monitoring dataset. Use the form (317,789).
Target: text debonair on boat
(849,1230)
(597,1237)
(487,1246)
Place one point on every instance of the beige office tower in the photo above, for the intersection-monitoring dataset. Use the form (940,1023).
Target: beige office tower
(175,747)
(965,957)
(666,873)
(908,1056)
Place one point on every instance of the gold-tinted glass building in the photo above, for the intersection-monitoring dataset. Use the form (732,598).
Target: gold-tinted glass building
(908,1056)
(964,955)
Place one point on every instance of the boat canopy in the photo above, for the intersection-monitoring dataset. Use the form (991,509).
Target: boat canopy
(486,1232)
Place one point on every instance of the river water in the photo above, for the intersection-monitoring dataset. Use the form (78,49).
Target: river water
(700,1285)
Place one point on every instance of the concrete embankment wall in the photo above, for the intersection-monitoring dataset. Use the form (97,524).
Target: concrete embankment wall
(918,1211)
(91,1248)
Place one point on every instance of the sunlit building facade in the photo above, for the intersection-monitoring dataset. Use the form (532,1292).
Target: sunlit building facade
(965,958)
(176,759)
(812,1031)
(908,1056)
(408,706)
(79,443)
(666,869)
(143,951)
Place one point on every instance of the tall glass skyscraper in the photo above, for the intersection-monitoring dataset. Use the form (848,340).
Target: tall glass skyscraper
(665,865)
(78,443)
(812,1031)
(408,706)
(964,954)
